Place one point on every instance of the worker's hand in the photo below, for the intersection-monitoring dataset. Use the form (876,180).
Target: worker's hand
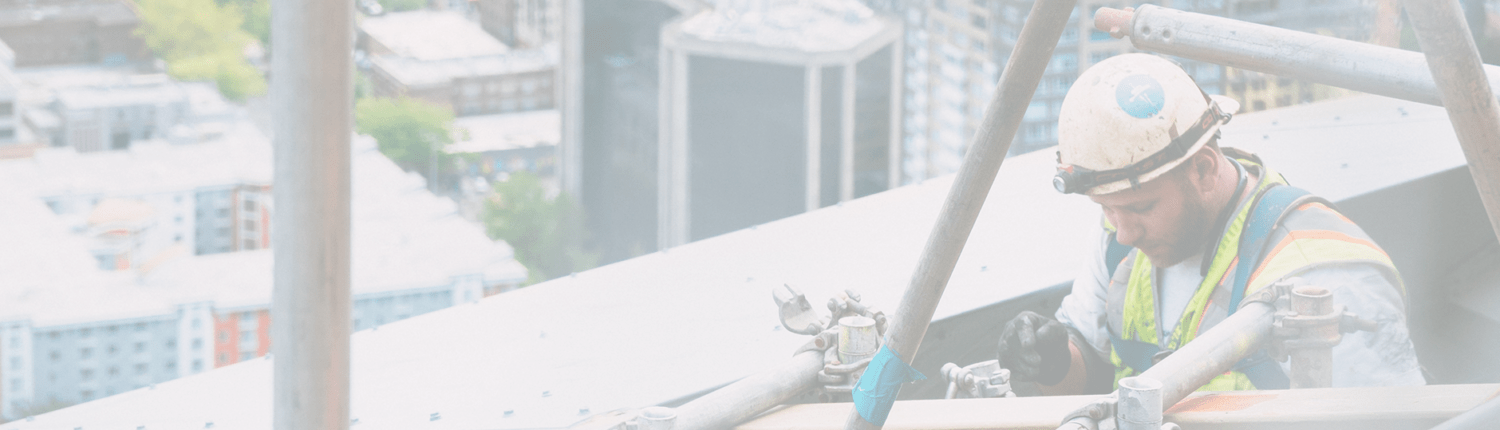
(1035,348)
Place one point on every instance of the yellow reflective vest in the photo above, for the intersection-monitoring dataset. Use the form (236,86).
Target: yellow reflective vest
(1309,234)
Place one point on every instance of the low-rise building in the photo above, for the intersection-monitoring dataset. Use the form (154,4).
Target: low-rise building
(446,60)
(53,32)
(509,143)
(72,331)
(205,198)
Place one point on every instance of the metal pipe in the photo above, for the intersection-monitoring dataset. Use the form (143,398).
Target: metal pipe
(1466,92)
(1028,61)
(1327,60)
(312,93)
(746,398)
(1139,406)
(1212,353)
(1312,353)
(1483,416)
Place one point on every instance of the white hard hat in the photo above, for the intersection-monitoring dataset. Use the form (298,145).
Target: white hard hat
(1129,119)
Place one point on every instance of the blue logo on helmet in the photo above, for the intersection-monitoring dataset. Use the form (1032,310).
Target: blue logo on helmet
(1140,96)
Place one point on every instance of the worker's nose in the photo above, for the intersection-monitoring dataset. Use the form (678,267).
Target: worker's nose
(1126,233)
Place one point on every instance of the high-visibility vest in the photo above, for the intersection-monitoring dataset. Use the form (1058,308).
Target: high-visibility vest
(1313,234)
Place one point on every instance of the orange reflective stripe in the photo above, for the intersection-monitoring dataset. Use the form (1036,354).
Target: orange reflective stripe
(1293,236)
(1319,205)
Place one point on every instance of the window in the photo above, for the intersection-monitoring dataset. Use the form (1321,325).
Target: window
(223,336)
(244,356)
(247,336)
(85,332)
(197,323)
(87,394)
(171,343)
(1283,101)
(223,358)
(528,86)
(249,245)
(197,365)
(223,212)
(112,350)
(140,347)
(114,371)
(15,385)
(55,356)
(247,316)
(979,22)
(171,365)
(86,374)
(1260,105)
(249,205)
(249,225)
(197,344)
(140,368)
(15,362)
(85,353)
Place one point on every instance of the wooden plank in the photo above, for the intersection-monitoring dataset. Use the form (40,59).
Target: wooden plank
(1327,408)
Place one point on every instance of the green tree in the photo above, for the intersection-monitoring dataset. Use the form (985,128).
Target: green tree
(402,5)
(202,40)
(410,132)
(548,234)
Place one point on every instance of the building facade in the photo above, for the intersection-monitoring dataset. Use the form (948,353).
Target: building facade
(956,48)
(54,32)
(72,331)
(522,23)
(762,122)
(113,117)
(446,60)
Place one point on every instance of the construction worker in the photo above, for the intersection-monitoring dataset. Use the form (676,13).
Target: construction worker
(1189,230)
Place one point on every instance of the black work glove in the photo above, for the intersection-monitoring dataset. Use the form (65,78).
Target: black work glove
(1035,348)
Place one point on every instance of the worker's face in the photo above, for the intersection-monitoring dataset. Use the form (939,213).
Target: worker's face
(1166,218)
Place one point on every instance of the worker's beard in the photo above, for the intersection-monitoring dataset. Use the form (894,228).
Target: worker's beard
(1196,227)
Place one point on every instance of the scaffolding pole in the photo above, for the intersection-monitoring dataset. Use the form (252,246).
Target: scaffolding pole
(1044,26)
(312,98)
(1465,90)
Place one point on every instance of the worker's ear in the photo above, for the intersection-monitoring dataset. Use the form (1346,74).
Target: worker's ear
(1202,169)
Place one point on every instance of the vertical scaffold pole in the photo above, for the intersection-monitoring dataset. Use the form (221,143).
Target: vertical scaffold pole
(1028,61)
(312,98)
(1465,90)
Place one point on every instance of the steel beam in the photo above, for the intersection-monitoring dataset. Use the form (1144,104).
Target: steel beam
(1465,90)
(312,93)
(1038,38)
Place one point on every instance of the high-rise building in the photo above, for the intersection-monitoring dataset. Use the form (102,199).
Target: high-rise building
(609,106)
(771,109)
(672,108)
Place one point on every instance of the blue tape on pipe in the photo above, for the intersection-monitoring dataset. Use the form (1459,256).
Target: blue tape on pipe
(876,391)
